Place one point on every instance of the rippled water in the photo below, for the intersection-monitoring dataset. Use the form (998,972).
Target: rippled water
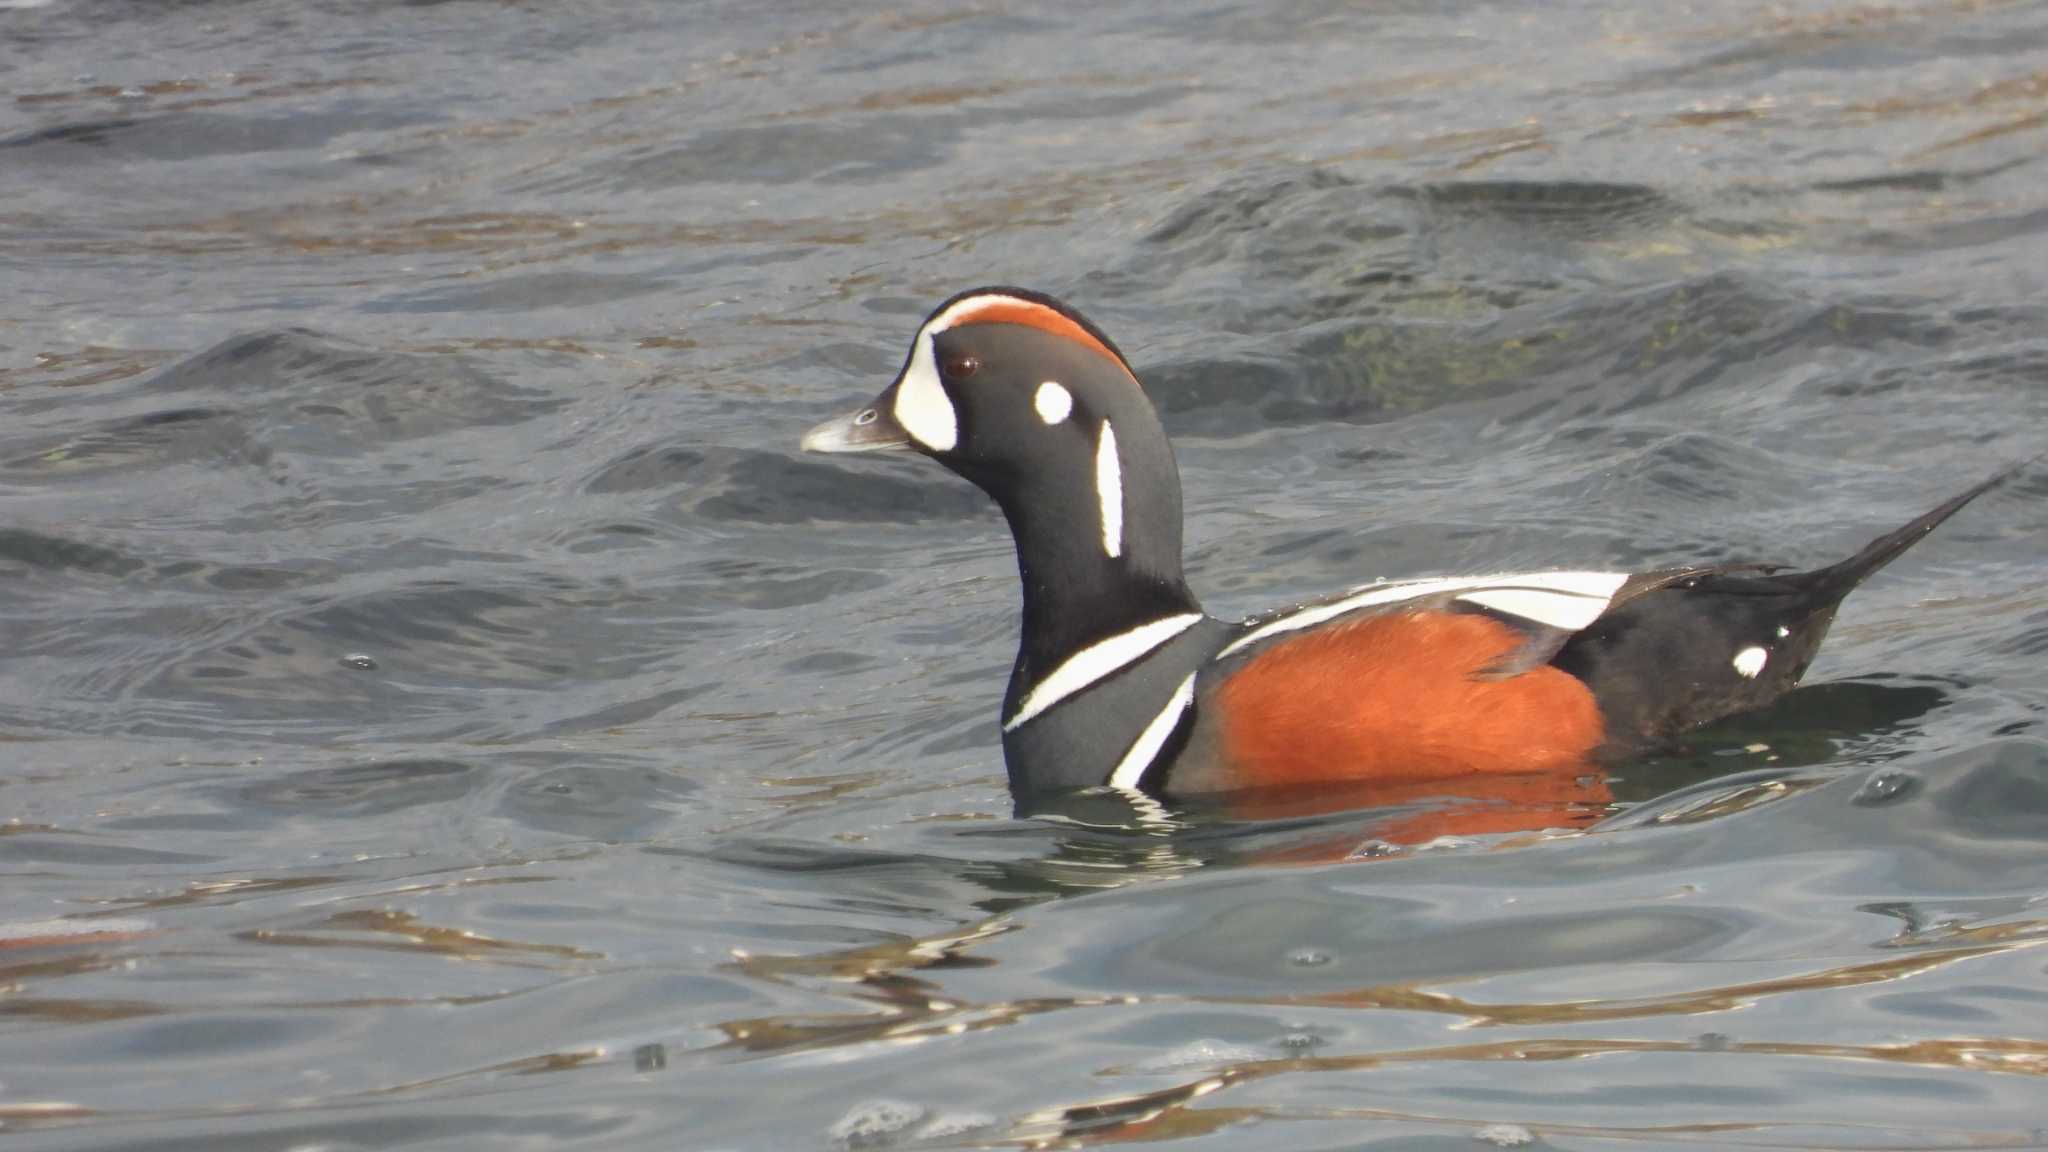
(439,708)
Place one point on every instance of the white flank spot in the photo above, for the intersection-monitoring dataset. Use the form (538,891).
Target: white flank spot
(1132,767)
(1109,491)
(922,406)
(1751,661)
(1095,661)
(1053,402)
(1569,600)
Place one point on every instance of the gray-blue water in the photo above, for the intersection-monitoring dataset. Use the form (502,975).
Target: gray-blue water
(440,709)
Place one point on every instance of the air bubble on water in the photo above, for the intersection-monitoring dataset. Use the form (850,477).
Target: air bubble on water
(1194,1054)
(950,1125)
(359,661)
(1447,843)
(1505,1135)
(1885,786)
(1301,1042)
(876,1123)
(1375,850)
(1308,958)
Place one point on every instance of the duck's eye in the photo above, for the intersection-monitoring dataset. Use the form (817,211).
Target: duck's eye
(959,367)
(867,416)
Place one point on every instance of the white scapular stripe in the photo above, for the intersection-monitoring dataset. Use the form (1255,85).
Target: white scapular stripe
(1109,492)
(1570,611)
(1052,401)
(1567,600)
(922,406)
(1132,767)
(1096,661)
(1750,662)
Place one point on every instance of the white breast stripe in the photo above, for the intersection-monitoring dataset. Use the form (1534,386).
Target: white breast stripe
(1132,767)
(1571,596)
(1109,491)
(1096,661)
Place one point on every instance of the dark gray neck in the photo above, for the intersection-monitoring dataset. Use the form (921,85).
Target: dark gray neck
(1075,593)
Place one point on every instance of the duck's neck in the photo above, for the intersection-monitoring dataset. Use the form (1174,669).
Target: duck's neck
(1076,592)
(1075,596)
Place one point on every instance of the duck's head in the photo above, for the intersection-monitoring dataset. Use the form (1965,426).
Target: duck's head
(1020,394)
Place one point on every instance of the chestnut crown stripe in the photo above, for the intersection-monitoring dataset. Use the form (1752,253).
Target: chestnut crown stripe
(992,308)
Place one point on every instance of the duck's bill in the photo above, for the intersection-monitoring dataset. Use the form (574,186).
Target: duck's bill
(868,430)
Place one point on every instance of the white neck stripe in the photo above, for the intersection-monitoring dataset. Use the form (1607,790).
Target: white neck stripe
(1567,600)
(1145,748)
(1109,492)
(1096,661)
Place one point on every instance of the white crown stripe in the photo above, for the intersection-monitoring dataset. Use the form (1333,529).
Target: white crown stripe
(1145,748)
(1096,661)
(1586,593)
(961,310)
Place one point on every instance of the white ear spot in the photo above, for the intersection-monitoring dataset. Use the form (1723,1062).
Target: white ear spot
(1750,661)
(1783,631)
(1109,491)
(1053,402)
(922,406)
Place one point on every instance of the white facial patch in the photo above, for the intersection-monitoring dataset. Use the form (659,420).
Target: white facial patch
(922,406)
(1750,661)
(1109,492)
(1096,661)
(1053,402)
(1145,748)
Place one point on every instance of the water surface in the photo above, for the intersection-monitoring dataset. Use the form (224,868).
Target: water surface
(439,708)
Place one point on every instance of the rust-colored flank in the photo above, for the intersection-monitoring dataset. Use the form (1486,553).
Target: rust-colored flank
(1401,696)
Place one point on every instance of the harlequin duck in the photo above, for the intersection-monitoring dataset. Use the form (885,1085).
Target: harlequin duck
(1122,680)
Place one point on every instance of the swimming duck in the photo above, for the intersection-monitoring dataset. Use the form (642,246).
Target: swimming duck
(1121,679)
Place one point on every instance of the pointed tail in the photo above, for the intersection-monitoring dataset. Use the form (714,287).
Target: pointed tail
(1828,585)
